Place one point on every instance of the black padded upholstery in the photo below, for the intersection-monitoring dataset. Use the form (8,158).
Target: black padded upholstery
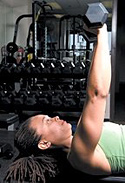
(114,179)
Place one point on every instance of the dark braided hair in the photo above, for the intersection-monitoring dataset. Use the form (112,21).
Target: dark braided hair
(32,164)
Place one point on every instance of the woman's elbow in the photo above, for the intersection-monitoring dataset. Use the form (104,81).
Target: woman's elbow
(97,92)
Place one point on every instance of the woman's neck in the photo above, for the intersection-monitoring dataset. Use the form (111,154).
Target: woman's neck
(67,143)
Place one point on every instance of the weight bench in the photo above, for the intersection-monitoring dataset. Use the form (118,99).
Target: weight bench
(75,176)
(110,179)
(114,179)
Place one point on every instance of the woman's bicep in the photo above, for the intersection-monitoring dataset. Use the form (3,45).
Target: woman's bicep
(90,125)
(82,154)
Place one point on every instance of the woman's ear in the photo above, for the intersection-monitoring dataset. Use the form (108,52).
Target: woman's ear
(43,144)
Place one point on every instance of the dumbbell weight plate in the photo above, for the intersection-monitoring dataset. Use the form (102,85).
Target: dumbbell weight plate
(96,15)
(12,47)
(69,102)
(56,102)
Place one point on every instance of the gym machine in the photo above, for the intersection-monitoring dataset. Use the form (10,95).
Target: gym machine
(76,41)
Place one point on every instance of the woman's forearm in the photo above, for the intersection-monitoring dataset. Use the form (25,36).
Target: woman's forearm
(100,72)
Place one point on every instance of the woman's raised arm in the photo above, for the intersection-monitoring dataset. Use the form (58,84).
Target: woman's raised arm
(88,132)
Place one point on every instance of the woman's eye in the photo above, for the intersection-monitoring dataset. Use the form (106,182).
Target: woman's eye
(48,120)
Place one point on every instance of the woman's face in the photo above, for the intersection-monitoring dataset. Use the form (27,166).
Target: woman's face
(54,129)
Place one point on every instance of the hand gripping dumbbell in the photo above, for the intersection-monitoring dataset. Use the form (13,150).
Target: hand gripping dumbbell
(95,16)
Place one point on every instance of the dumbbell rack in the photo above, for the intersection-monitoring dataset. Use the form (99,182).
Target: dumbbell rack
(43,87)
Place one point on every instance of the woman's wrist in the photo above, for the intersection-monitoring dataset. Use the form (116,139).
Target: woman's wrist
(102,37)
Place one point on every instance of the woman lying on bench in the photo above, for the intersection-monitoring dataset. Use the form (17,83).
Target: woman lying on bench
(96,148)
